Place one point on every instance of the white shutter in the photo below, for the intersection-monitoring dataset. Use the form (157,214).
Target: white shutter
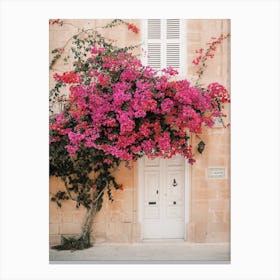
(173,46)
(164,47)
(173,55)
(154,29)
(154,43)
(173,29)
(154,55)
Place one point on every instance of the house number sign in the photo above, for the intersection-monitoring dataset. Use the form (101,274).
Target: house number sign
(216,173)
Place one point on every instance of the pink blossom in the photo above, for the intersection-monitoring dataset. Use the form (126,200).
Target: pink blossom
(126,123)
(103,79)
(129,75)
(170,71)
(71,149)
(108,161)
(126,110)
(97,50)
(164,142)
(148,146)
(216,90)
(166,105)
(145,129)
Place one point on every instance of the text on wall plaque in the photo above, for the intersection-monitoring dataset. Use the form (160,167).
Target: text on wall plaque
(216,172)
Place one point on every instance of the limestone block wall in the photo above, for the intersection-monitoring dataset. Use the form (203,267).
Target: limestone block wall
(210,198)
(209,205)
(115,222)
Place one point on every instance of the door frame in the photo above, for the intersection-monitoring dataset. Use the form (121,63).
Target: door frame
(140,192)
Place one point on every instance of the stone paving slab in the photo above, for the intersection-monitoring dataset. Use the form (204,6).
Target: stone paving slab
(147,252)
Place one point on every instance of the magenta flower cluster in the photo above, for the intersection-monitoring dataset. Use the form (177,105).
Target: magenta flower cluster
(126,109)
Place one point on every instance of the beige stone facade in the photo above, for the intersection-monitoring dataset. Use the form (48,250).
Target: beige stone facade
(209,198)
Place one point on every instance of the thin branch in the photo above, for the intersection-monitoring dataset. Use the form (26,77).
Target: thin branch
(98,195)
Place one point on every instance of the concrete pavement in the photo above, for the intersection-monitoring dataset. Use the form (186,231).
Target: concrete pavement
(147,252)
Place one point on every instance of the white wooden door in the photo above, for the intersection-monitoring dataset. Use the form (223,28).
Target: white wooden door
(163,184)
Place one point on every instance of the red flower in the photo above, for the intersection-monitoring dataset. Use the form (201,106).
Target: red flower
(68,77)
(218,91)
(191,161)
(133,28)
(120,187)
(56,21)
(197,60)
(199,50)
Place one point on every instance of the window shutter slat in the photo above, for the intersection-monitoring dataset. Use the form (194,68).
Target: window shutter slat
(173,29)
(173,55)
(154,55)
(154,29)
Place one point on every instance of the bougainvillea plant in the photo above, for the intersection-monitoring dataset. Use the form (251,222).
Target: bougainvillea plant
(119,110)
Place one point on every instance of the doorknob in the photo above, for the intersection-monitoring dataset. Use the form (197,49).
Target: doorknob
(157,191)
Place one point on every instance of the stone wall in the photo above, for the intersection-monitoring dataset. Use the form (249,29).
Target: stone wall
(115,222)
(209,198)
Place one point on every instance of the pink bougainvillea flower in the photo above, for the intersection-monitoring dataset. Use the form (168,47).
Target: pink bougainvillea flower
(216,90)
(71,149)
(126,109)
(97,50)
(56,21)
(191,161)
(197,60)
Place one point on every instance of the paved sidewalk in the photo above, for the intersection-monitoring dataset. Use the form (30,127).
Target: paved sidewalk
(147,252)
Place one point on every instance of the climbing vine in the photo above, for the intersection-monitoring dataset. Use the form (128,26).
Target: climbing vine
(119,110)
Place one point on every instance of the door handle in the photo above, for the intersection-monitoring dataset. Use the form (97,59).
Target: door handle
(157,191)
(152,203)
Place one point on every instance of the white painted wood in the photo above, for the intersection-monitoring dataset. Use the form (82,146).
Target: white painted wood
(162,182)
(164,42)
(168,34)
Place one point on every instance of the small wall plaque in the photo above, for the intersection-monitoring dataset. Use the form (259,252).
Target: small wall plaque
(216,173)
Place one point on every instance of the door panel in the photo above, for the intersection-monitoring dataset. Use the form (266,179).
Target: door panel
(175,187)
(174,210)
(152,184)
(164,192)
(176,161)
(152,162)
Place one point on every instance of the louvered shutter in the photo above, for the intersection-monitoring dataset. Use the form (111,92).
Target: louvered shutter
(173,29)
(164,47)
(173,55)
(173,50)
(154,43)
(154,29)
